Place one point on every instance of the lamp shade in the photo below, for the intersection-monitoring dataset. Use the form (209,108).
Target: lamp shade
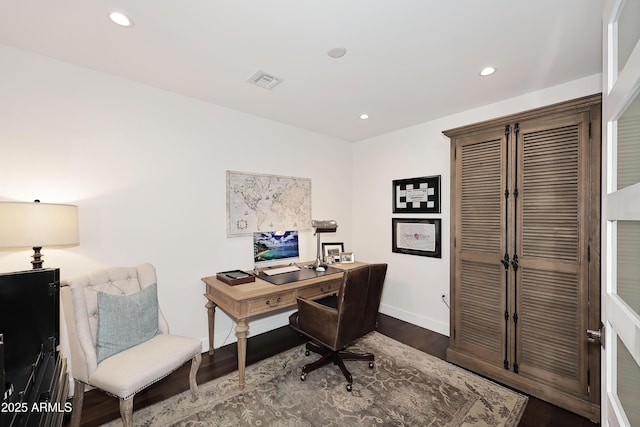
(324,226)
(38,224)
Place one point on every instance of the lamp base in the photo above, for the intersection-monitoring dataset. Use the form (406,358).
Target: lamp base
(37,258)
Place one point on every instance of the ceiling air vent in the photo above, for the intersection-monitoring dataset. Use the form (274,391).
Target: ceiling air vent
(264,80)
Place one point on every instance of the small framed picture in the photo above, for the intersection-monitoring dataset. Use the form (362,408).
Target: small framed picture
(347,257)
(332,250)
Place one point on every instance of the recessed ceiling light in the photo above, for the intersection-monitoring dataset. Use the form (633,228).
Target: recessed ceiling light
(337,52)
(121,19)
(487,71)
(364,116)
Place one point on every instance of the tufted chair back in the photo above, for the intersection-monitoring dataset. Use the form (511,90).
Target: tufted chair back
(134,367)
(84,292)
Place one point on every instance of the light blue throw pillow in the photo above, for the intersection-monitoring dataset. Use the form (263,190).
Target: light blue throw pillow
(126,320)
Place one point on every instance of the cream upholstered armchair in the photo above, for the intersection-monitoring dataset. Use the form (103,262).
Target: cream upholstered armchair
(118,338)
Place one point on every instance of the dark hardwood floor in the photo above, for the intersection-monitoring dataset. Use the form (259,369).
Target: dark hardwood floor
(99,408)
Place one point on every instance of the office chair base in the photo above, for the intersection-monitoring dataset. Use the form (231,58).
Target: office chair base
(337,357)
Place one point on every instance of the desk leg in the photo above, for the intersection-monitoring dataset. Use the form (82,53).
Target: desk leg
(211,313)
(242,329)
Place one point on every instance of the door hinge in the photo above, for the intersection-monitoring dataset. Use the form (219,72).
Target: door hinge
(53,288)
(514,262)
(505,261)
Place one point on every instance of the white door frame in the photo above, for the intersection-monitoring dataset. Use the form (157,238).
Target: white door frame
(620,88)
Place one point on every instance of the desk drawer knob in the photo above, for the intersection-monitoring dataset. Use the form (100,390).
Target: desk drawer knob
(268,302)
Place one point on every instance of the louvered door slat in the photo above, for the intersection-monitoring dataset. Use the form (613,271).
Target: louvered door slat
(549,325)
(550,163)
(481,195)
(479,291)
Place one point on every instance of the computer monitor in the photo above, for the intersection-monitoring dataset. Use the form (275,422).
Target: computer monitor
(275,248)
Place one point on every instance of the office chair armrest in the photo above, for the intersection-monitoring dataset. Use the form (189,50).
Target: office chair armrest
(318,321)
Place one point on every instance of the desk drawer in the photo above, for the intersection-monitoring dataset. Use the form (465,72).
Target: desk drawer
(321,289)
(262,305)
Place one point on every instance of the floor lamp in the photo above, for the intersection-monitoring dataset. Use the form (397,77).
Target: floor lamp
(325,226)
(35,224)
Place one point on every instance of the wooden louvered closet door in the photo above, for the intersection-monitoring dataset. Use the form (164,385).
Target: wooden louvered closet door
(551,248)
(525,267)
(481,160)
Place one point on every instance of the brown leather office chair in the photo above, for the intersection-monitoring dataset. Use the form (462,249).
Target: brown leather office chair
(331,330)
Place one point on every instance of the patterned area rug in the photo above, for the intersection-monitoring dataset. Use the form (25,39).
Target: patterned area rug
(406,387)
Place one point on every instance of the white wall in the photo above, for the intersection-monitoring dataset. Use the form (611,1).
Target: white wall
(414,284)
(147,169)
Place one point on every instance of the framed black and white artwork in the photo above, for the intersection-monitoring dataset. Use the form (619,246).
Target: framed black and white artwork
(417,195)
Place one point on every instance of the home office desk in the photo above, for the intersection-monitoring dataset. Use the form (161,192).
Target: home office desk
(242,302)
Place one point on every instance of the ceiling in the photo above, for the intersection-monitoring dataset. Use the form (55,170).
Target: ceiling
(407,61)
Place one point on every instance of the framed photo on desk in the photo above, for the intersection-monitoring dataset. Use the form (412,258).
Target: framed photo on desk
(347,257)
(332,250)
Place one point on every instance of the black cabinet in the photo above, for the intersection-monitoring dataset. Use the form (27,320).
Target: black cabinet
(33,376)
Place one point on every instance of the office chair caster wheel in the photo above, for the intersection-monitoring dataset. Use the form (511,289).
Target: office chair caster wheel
(349,388)
(370,365)
(303,377)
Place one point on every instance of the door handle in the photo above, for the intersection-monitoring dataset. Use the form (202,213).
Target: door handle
(593,335)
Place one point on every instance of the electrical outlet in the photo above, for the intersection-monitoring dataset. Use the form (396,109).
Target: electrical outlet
(444,297)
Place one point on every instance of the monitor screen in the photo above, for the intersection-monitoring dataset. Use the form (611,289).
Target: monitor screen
(275,248)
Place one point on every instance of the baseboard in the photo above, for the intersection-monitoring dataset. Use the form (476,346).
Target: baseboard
(416,319)
(256,327)
(272,322)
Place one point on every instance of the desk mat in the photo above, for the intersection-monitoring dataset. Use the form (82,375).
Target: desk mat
(295,276)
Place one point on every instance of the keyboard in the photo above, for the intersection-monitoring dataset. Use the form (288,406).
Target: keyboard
(280,270)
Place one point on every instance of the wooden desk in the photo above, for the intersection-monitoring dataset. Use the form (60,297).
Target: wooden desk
(242,302)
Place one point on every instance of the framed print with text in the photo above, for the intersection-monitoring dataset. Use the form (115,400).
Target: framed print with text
(417,236)
(417,195)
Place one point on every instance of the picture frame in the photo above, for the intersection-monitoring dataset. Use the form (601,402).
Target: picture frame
(347,258)
(417,236)
(417,195)
(332,250)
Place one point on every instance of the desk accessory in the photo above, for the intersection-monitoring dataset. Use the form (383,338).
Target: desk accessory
(235,277)
(326,226)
